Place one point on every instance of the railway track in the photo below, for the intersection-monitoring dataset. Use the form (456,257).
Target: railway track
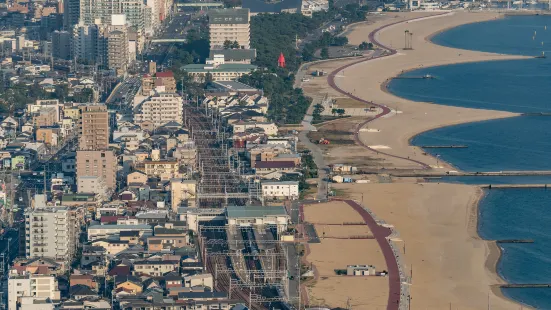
(223,282)
(217,176)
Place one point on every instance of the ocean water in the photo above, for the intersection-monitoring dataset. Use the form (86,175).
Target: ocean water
(520,214)
(498,85)
(519,143)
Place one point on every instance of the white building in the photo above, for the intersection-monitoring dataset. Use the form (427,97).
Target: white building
(229,25)
(258,215)
(270,129)
(160,109)
(52,232)
(128,133)
(280,190)
(37,287)
(104,231)
(183,192)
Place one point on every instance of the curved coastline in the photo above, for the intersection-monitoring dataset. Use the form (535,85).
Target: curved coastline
(494,252)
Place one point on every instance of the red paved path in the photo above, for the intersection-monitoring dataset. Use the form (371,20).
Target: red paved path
(385,109)
(380,233)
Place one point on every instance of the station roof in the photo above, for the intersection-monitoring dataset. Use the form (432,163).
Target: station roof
(254,211)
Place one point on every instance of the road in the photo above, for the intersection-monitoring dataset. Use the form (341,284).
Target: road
(174,29)
(124,92)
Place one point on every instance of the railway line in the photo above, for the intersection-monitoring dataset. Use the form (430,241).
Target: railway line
(220,182)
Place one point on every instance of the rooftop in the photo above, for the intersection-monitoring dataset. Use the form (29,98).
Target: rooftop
(274,164)
(234,54)
(114,226)
(255,211)
(219,68)
(261,6)
(229,16)
(234,85)
(281,183)
(165,74)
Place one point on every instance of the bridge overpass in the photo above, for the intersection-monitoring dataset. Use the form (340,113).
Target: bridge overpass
(201,4)
(175,40)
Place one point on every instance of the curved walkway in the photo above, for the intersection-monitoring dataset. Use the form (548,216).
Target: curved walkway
(379,232)
(385,110)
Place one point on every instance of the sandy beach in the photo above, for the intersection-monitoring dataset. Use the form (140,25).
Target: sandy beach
(437,223)
(330,289)
(452,266)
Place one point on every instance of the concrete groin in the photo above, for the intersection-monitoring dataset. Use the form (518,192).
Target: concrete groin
(427,174)
(490,186)
(537,285)
(515,241)
(443,146)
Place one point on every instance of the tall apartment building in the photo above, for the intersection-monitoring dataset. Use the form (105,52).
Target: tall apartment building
(160,109)
(85,40)
(101,164)
(61,44)
(117,51)
(229,25)
(93,127)
(51,232)
(71,13)
(152,15)
(109,12)
(103,10)
(37,287)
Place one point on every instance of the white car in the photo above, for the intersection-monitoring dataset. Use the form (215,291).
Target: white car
(305,80)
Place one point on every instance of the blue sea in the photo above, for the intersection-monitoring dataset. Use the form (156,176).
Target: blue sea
(518,143)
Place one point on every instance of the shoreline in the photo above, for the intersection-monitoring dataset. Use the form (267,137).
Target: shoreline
(494,252)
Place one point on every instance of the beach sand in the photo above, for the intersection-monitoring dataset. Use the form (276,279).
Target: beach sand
(437,223)
(451,264)
(328,289)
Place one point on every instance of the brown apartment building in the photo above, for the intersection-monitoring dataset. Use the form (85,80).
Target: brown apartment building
(101,164)
(93,127)
(151,82)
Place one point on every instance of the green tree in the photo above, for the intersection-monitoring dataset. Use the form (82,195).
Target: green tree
(208,78)
(235,45)
(227,44)
(340,112)
(365,46)
(339,41)
(316,114)
(324,54)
